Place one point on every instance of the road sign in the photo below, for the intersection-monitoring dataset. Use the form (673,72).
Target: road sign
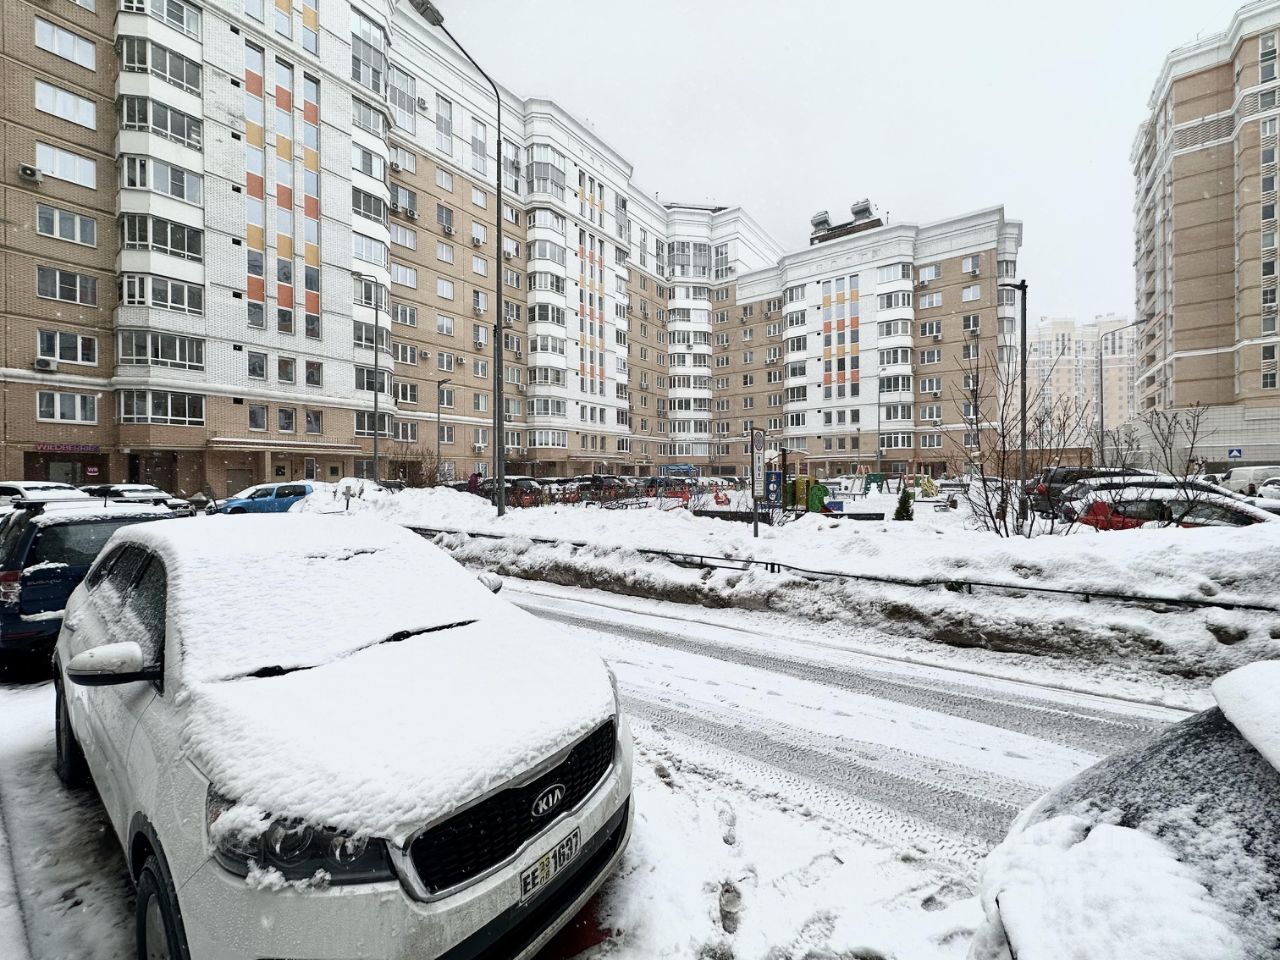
(1235,453)
(757,464)
(773,487)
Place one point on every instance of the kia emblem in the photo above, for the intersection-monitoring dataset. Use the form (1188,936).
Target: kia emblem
(548,800)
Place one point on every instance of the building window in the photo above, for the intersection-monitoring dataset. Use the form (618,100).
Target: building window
(64,285)
(1269,367)
(66,407)
(406,159)
(147,173)
(970,293)
(176,13)
(65,225)
(1266,58)
(404,275)
(368,56)
(929,300)
(287,419)
(971,264)
(257,416)
(402,92)
(66,105)
(65,44)
(158,406)
(152,348)
(65,165)
(139,55)
(315,421)
(139,113)
(66,347)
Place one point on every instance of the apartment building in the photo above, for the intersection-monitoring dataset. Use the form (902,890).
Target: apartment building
(1070,361)
(1205,247)
(240,239)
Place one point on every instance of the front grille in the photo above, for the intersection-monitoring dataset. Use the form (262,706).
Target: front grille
(482,836)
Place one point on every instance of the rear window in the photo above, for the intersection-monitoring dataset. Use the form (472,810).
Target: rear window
(1206,792)
(75,544)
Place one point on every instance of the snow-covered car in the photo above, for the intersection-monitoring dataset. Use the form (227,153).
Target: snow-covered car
(1167,851)
(1133,487)
(1270,489)
(263,498)
(1129,508)
(12,491)
(141,493)
(367,754)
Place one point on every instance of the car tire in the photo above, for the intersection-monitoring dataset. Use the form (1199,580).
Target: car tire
(70,764)
(235,510)
(158,920)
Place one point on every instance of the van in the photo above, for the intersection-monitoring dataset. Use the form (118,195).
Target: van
(1247,480)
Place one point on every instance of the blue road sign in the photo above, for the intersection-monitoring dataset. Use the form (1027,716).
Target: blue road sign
(773,486)
(1235,453)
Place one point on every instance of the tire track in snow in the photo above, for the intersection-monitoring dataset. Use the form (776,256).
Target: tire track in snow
(1080,726)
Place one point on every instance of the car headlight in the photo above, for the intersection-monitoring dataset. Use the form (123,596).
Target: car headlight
(296,849)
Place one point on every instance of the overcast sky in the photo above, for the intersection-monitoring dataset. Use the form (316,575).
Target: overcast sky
(928,107)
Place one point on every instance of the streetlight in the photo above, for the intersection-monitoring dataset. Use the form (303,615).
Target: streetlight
(1021,287)
(1102,420)
(439,399)
(434,17)
(377,367)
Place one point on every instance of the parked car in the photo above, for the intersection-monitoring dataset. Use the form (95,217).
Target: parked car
(11,490)
(1135,485)
(45,550)
(1045,493)
(264,498)
(141,493)
(1248,479)
(1170,843)
(1269,489)
(397,763)
(1127,509)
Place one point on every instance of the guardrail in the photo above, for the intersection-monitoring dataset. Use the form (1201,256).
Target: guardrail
(699,561)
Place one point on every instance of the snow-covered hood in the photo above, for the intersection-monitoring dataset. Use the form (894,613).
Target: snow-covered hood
(1248,698)
(385,740)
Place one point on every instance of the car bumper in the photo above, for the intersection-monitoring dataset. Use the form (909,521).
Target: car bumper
(21,637)
(227,919)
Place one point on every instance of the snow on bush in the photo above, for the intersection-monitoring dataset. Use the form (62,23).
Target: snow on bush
(1229,564)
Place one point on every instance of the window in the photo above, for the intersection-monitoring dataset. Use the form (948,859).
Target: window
(286,419)
(930,356)
(971,323)
(971,264)
(140,232)
(402,92)
(368,56)
(66,347)
(257,365)
(257,416)
(65,44)
(480,266)
(368,206)
(1269,367)
(367,118)
(404,275)
(479,232)
(403,236)
(67,286)
(159,406)
(65,165)
(402,198)
(1005,297)
(444,288)
(969,351)
(479,145)
(139,113)
(152,348)
(931,272)
(893,301)
(444,125)
(405,158)
(444,362)
(405,431)
(895,271)
(147,173)
(65,225)
(970,293)
(176,13)
(286,369)
(479,197)
(929,300)
(896,441)
(403,352)
(370,250)
(895,355)
(138,55)
(1267,58)
(66,105)
(66,407)
(315,421)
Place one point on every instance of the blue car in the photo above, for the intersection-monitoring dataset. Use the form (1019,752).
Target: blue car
(266,498)
(45,551)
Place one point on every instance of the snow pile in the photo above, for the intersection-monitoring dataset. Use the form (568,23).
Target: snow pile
(370,732)
(1062,888)
(1248,697)
(599,548)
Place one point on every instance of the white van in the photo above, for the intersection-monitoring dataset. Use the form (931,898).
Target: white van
(1242,479)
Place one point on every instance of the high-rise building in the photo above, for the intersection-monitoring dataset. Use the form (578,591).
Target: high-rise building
(1070,360)
(229,228)
(1205,247)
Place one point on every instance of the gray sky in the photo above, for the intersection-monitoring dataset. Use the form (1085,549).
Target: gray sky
(929,107)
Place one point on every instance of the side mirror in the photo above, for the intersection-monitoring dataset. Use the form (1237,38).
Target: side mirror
(490,580)
(111,664)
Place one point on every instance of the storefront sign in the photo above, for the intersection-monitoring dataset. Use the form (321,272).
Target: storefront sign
(67,448)
(91,471)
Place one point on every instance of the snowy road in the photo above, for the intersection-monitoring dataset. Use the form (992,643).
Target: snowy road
(794,797)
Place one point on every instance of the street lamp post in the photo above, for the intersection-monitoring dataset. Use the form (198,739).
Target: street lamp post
(1102,420)
(434,17)
(439,398)
(1021,287)
(377,366)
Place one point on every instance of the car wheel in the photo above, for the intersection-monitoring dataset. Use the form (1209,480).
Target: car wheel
(157,917)
(70,764)
(237,510)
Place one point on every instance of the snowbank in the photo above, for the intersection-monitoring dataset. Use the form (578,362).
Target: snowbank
(598,548)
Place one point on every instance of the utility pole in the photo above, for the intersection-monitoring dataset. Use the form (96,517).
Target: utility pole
(377,366)
(1021,287)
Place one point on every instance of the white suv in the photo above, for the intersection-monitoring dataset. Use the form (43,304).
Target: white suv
(319,737)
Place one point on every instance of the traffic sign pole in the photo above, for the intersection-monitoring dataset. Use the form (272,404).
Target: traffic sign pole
(757,479)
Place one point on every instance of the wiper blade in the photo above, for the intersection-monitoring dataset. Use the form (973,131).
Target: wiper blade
(275,670)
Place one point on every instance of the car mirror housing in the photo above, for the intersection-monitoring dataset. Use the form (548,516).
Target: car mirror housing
(110,664)
(490,580)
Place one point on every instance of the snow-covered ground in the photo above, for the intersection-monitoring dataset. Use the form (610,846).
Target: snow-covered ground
(1226,565)
(799,792)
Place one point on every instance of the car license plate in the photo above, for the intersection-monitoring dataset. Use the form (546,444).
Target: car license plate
(534,878)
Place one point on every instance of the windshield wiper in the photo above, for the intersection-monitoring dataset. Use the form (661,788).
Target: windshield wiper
(275,670)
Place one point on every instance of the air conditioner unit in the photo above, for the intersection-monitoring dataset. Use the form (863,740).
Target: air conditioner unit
(520,387)
(508,255)
(937,337)
(923,282)
(413,215)
(448,230)
(975,271)
(519,354)
(508,417)
(395,208)
(422,104)
(46,364)
(29,171)
(480,344)
(476,242)
(937,394)
(395,167)
(478,311)
(479,447)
